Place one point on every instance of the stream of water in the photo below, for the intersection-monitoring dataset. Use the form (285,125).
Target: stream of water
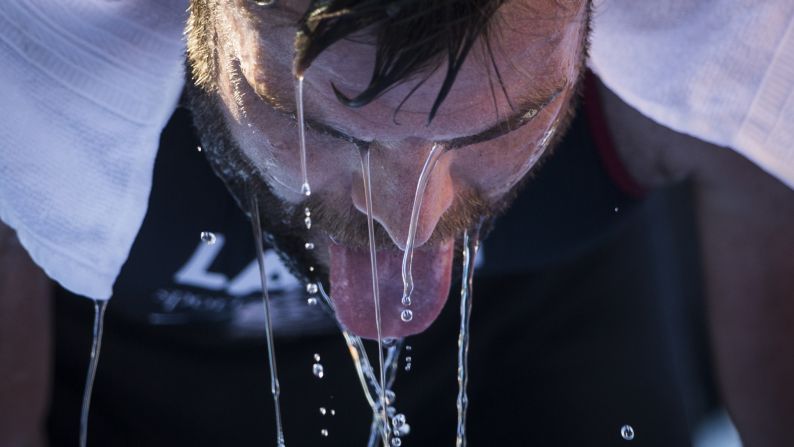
(471,244)
(96,346)
(271,349)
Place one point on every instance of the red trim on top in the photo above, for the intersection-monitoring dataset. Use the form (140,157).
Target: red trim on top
(602,138)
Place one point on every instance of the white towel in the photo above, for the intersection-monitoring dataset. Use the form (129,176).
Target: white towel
(85,88)
(719,70)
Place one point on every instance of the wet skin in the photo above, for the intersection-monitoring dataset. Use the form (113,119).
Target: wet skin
(494,139)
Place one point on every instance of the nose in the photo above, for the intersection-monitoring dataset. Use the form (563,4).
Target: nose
(395,171)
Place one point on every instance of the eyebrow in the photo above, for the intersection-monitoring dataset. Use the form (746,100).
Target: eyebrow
(529,107)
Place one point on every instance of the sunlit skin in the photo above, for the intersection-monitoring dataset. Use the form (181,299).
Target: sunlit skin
(537,46)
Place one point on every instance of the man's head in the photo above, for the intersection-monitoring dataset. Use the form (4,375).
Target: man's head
(488,80)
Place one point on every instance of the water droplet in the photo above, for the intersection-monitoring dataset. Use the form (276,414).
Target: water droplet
(323,411)
(307,212)
(396,442)
(408,359)
(627,432)
(406,315)
(398,421)
(309,246)
(311,268)
(306,190)
(390,397)
(311,288)
(408,367)
(333,412)
(404,430)
(316,357)
(406,300)
(324,432)
(312,301)
(308,222)
(409,348)
(198,148)
(208,237)
(317,370)
(617,209)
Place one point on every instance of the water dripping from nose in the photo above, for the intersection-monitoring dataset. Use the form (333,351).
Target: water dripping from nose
(271,350)
(470,246)
(96,345)
(407,274)
(364,156)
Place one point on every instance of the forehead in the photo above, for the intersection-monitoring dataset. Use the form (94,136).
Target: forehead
(534,48)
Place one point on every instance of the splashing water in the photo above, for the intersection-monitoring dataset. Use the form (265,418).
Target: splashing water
(408,256)
(96,345)
(470,246)
(306,190)
(369,382)
(271,350)
(375,292)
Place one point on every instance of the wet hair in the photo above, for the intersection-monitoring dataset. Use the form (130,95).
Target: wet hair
(412,38)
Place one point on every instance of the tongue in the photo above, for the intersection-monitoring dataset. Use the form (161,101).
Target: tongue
(351,288)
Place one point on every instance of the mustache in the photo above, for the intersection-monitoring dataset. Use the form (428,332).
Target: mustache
(348,225)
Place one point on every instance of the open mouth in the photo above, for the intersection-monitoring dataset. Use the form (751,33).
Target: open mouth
(351,288)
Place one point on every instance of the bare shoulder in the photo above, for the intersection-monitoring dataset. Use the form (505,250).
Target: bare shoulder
(25,344)
(657,156)
(745,219)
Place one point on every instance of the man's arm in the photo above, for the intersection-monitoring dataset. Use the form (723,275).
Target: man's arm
(25,345)
(746,225)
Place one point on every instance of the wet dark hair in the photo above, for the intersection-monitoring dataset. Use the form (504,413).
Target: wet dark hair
(412,38)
